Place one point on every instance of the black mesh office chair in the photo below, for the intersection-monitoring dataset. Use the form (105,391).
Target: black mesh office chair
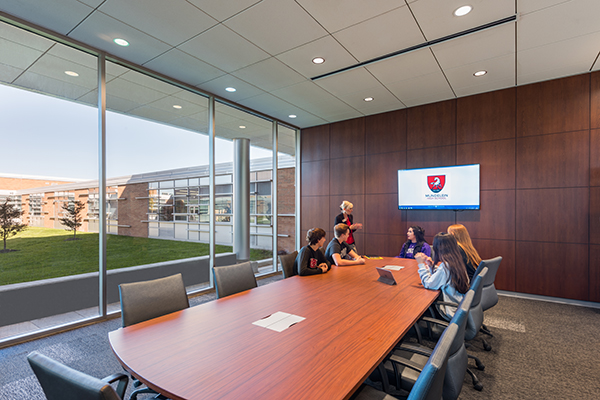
(141,301)
(489,296)
(60,382)
(287,264)
(232,279)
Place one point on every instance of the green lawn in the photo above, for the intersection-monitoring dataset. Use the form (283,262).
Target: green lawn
(45,253)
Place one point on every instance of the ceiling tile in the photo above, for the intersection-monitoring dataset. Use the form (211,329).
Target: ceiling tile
(184,67)
(488,44)
(51,86)
(270,105)
(340,14)
(554,60)
(437,20)
(222,10)
(17,55)
(153,114)
(74,56)
(300,58)
(223,48)
(54,67)
(293,25)
(60,15)
(27,39)
(148,82)
(158,18)
(500,75)
(384,34)
(555,24)
(269,74)
(423,89)
(312,98)
(9,73)
(405,66)
(99,30)
(243,89)
(529,6)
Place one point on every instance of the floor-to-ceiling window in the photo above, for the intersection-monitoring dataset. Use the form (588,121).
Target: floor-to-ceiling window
(286,189)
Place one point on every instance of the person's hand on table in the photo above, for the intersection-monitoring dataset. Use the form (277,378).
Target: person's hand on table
(360,260)
(423,258)
(323,267)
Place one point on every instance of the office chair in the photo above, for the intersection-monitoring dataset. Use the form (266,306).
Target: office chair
(287,264)
(430,383)
(232,279)
(141,301)
(60,382)
(489,296)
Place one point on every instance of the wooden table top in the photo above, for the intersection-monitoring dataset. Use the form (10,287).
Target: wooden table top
(212,351)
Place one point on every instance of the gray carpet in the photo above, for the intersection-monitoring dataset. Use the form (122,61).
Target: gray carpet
(540,351)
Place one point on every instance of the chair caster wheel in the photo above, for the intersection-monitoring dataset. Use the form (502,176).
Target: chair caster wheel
(480,366)
(486,346)
(478,386)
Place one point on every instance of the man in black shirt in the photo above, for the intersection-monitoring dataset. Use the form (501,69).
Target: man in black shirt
(338,251)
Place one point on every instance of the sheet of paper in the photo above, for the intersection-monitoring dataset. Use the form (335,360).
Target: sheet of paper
(278,321)
(393,267)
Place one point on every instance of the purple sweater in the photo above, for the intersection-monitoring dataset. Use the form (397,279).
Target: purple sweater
(408,251)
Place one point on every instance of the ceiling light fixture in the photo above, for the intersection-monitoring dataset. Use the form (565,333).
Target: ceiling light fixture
(462,11)
(318,60)
(177,106)
(292,116)
(368,99)
(480,73)
(242,127)
(121,42)
(230,89)
(71,73)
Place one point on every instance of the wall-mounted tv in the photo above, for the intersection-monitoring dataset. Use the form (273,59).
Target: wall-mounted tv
(440,188)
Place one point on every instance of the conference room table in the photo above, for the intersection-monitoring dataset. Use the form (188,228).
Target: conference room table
(213,350)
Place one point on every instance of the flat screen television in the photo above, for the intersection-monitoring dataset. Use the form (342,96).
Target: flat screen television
(441,188)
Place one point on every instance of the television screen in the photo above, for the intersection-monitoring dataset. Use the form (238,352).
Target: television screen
(440,188)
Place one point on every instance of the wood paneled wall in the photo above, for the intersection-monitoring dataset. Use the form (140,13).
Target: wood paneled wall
(539,150)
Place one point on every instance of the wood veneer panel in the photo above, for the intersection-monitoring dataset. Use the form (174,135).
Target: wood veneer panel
(505,278)
(314,213)
(358,212)
(432,157)
(559,105)
(347,138)
(347,175)
(552,269)
(595,99)
(383,245)
(497,159)
(594,273)
(487,116)
(386,132)
(382,172)
(495,219)
(315,178)
(556,160)
(382,215)
(315,143)
(595,215)
(433,221)
(553,215)
(595,157)
(431,125)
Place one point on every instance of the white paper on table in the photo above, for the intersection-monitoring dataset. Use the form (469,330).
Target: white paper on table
(393,267)
(278,321)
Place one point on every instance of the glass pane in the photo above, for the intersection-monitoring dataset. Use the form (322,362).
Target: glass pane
(169,142)
(48,114)
(286,190)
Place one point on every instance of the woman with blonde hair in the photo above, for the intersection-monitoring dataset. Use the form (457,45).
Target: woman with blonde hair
(471,256)
(347,218)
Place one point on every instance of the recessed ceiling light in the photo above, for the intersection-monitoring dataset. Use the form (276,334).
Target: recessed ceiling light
(318,60)
(480,73)
(230,89)
(177,106)
(368,99)
(464,10)
(71,73)
(292,116)
(121,42)
(242,127)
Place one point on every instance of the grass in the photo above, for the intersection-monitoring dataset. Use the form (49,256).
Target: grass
(46,253)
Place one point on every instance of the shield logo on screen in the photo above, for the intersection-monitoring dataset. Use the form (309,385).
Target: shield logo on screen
(436,182)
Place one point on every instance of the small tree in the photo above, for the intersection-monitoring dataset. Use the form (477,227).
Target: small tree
(10,221)
(72,216)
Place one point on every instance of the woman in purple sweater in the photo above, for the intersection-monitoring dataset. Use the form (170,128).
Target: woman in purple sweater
(415,244)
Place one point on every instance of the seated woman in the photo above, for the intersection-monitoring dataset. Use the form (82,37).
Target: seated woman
(311,260)
(446,271)
(415,244)
(468,252)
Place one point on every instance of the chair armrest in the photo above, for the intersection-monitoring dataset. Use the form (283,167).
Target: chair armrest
(123,381)
(411,348)
(445,303)
(436,321)
(406,363)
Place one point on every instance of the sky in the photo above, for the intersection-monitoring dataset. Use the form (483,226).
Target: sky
(46,136)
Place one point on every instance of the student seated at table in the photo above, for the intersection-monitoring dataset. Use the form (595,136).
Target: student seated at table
(446,271)
(311,260)
(415,244)
(465,245)
(338,251)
